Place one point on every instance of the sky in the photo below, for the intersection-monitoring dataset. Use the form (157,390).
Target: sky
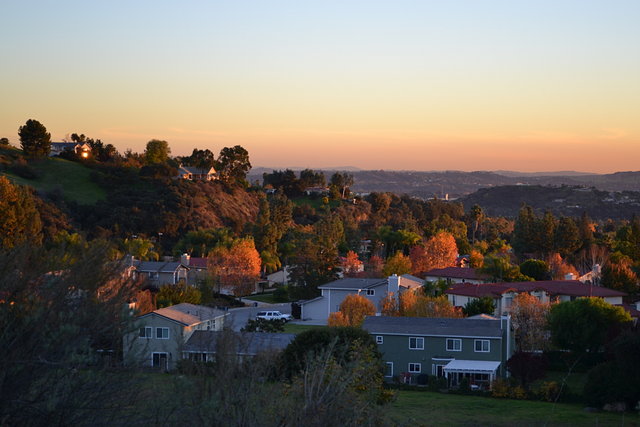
(397,84)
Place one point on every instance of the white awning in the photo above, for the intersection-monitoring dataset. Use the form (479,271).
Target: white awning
(472,366)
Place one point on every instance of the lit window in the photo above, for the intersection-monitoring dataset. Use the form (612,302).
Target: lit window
(416,343)
(454,344)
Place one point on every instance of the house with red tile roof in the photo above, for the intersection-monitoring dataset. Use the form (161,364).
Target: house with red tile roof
(550,291)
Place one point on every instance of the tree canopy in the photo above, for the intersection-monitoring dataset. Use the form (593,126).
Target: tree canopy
(34,139)
(157,151)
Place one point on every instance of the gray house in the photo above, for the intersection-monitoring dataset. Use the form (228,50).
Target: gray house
(333,293)
(160,273)
(202,346)
(474,348)
(158,338)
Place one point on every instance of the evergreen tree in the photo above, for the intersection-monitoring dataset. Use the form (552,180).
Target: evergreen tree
(34,139)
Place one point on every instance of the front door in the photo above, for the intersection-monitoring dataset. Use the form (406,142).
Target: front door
(160,360)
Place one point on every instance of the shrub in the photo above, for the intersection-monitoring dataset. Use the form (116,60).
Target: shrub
(281,294)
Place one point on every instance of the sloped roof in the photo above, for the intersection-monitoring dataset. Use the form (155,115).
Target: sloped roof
(198,262)
(428,326)
(188,314)
(196,171)
(353,283)
(552,287)
(248,343)
(456,273)
(413,281)
(156,266)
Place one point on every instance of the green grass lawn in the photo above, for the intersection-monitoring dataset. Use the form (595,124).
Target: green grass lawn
(314,202)
(417,408)
(72,178)
(268,298)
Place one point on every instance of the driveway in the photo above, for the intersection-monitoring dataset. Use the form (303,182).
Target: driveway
(238,316)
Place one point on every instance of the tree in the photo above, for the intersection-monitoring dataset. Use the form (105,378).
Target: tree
(618,274)
(412,303)
(536,269)
(559,268)
(264,325)
(476,215)
(529,319)
(567,237)
(440,251)
(157,151)
(342,181)
(524,230)
(351,264)
(34,139)
(483,305)
(176,294)
(236,268)
(476,259)
(586,324)
(500,269)
(527,367)
(4,142)
(398,264)
(233,164)
(140,248)
(19,218)
(310,178)
(200,159)
(353,309)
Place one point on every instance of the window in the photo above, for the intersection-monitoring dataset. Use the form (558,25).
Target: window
(388,369)
(415,368)
(371,292)
(145,332)
(416,343)
(159,360)
(379,339)
(481,346)
(454,344)
(162,333)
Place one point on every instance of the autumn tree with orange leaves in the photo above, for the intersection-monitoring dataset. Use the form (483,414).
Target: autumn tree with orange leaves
(236,268)
(440,251)
(351,264)
(353,309)
(415,304)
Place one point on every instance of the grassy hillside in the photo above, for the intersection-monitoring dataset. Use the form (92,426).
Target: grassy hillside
(71,178)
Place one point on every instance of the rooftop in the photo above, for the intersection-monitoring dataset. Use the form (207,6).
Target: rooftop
(456,273)
(189,314)
(429,326)
(552,287)
(249,343)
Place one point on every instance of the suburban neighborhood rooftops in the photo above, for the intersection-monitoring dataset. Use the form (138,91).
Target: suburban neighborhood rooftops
(429,326)
(156,266)
(552,287)
(196,262)
(188,314)
(353,283)
(249,343)
(456,273)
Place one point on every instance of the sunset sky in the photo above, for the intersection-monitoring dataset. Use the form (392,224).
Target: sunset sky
(396,84)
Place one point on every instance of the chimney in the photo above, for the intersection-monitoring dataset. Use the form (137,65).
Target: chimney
(184,259)
(569,276)
(393,284)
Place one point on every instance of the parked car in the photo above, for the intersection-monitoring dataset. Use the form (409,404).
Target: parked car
(273,315)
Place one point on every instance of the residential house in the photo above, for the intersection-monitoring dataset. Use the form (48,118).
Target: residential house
(81,149)
(196,174)
(545,290)
(316,191)
(455,275)
(197,268)
(474,348)
(202,346)
(333,293)
(160,273)
(159,337)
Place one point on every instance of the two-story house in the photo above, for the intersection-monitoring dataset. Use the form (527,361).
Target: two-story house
(333,293)
(160,273)
(474,348)
(158,338)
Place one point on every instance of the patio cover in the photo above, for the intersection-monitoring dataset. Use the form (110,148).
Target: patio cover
(472,366)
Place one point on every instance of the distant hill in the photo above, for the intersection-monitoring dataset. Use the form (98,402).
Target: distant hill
(563,200)
(530,174)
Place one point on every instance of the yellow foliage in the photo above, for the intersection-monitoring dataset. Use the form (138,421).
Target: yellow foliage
(353,309)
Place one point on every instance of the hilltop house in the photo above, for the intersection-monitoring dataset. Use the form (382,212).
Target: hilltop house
(473,348)
(196,174)
(81,149)
(455,275)
(545,290)
(159,337)
(333,293)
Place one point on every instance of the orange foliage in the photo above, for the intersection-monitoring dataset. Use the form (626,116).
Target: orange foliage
(351,264)
(389,305)
(559,267)
(476,259)
(353,309)
(414,304)
(398,264)
(236,268)
(529,318)
(376,264)
(440,251)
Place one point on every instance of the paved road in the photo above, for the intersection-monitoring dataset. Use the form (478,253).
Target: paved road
(238,316)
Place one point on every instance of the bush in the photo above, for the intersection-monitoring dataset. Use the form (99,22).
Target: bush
(502,388)
(436,383)
(23,170)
